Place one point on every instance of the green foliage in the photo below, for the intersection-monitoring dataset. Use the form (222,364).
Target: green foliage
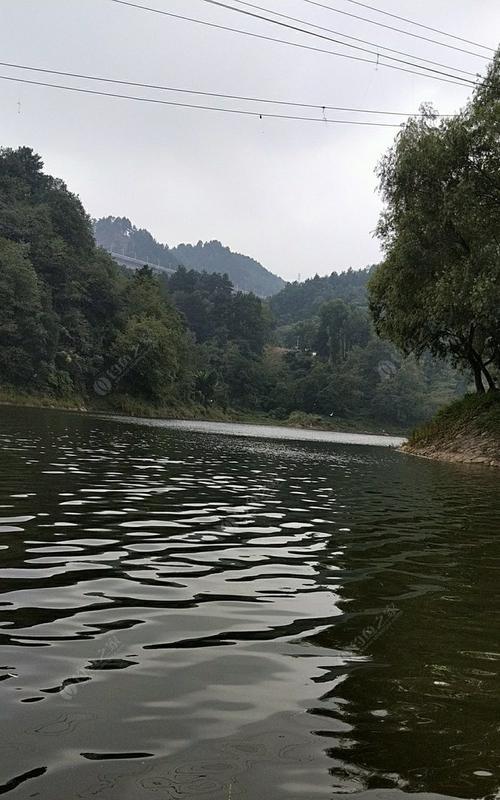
(23,335)
(341,327)
(245,273)
(298,302)
(118,235)
(66,311)
(472,415)
(231,329)
(73,324)
(151,345)
(438,289)
(333,364)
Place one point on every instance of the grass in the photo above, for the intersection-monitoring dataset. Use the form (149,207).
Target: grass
(15,397)
(475,415)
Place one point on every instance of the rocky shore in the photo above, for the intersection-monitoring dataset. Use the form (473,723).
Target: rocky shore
(467,432)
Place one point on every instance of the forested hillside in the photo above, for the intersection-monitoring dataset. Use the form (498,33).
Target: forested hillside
(299,301)
(67,313)
(74,324)
(117,234)
(246,274)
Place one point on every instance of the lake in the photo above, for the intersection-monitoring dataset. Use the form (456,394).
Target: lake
(215,612)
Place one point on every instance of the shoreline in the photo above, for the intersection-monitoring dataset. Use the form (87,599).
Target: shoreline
(466,432)
(468,447)
(474,455)
(131,408)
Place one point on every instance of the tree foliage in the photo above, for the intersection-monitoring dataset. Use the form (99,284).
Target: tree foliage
(73,323)
(438,289)
(301,301)
(67,312)
(118,235)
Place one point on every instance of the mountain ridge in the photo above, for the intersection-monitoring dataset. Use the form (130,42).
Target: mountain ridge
(119,235)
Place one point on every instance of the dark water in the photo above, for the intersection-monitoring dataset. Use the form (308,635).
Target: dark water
(197,616)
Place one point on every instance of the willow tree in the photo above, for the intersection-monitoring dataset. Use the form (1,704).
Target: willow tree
(438,288)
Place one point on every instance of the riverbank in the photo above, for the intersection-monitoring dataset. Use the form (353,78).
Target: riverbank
(466,432)
(124,405)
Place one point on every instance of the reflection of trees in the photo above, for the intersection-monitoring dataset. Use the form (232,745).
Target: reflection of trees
(419,703)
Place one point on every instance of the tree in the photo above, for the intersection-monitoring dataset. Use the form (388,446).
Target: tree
(301,301)
(23,337)
(72,322)
(67,313)
(341,327)
(151,347)
(438,289)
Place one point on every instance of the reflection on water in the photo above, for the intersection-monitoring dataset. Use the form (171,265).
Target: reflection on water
(189,615)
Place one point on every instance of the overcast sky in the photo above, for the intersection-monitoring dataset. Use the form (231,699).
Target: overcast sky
(299,197)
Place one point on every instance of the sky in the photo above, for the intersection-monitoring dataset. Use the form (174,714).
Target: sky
(300,197)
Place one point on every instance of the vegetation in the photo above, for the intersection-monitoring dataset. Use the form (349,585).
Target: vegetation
(78,329)
(246,274)
(333,364)
(301,301)
(66,311)
(472,415)
(438,289)
(118,235)
(466,431)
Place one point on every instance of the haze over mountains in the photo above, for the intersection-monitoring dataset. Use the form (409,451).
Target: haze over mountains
(119,235)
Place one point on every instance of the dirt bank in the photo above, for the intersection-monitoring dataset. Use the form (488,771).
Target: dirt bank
(467,432)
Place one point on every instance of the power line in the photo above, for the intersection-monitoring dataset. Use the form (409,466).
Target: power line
(296,29)
(398,30)
(319,107)
(458,82)
(420,25)
(243,112)
(346,36)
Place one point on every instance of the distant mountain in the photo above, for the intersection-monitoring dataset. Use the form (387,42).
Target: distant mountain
(244,272)
(118,235)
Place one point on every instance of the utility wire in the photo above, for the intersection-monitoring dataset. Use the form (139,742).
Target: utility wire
(136,84)
(244,112)
(420,25)
(329,39)
(353,38)
(458,82)
(398,30)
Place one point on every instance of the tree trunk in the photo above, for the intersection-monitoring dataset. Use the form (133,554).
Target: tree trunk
(489,379)
(478,377)
(476,363)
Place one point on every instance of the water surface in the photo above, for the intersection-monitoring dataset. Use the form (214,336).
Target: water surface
(274,432)
(191,615)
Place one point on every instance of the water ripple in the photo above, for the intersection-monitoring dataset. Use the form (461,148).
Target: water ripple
(207,616)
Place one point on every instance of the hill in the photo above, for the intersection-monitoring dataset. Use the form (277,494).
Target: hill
(72,324)
(245,273)
(119,235)
(300,301)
